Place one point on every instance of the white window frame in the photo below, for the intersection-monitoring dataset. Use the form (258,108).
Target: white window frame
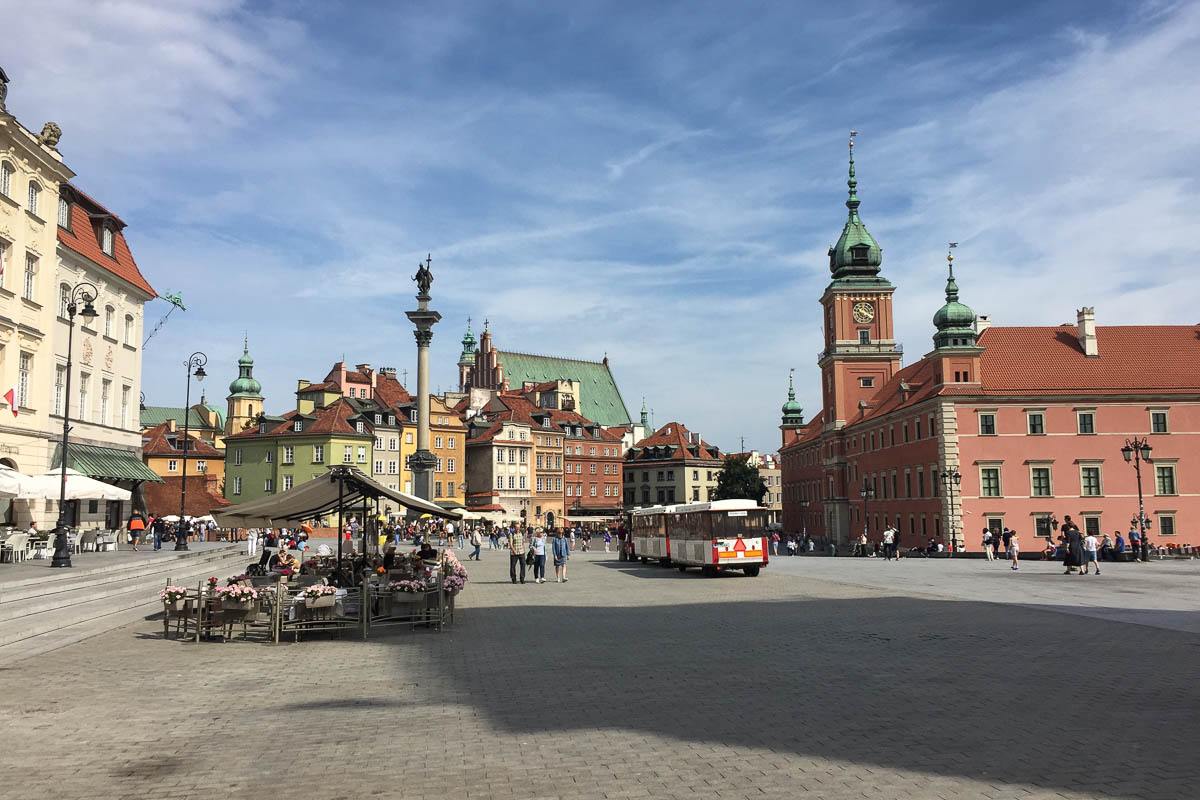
(1096,465)
(35,197)
(289,454)
(29,289)
(105,393)
(1166,515)
(449,465)
(318,454)
(362,454)
(347,454)
(1029,415)
(237,457)
(288,482)
(6,176)
(85,380)
(1169,465)
(60,379)
(201,466)
(237,484)
(172,465)
(64,212)
(1049,467)
(999,467)
(1079,415)
(106,240)
(1166,420)
(269,485)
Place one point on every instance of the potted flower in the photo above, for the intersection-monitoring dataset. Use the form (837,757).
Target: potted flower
(236,597)
(211,584)
(318,596)
(453,584)
(173,597)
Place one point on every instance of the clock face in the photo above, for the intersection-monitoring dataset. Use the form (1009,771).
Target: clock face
(864,312)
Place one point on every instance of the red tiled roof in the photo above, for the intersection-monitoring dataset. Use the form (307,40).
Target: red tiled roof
(675,435)
(323,386)
(390,391)
(1141,359)
(332,418)
(353,376)
(82,239)
(163,498)
(157,442)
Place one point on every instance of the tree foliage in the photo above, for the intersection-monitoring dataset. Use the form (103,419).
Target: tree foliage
(739,481)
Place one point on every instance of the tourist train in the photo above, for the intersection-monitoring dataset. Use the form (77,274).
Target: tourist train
(718,536)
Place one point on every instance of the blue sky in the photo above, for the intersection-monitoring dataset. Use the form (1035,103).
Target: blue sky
(654,181)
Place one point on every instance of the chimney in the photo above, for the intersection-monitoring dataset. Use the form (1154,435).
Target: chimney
(1086,318)
(982,323)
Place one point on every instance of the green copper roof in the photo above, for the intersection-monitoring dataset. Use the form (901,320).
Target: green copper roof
(104,463)
(244,384)
(955,322)
(793,412)
(157,415)
(600,400)
(856,252)
(468,352)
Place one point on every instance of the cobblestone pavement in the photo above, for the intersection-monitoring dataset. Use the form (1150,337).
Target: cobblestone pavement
(629,681)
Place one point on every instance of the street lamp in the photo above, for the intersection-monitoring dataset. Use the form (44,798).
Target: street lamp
(1136,451)
(195,366)
(868,494)
(952,480)
(79,294)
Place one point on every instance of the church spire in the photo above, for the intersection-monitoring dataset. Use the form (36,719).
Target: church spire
(852,201)
(954,321)
(645,415)
(856,254)
(793,412)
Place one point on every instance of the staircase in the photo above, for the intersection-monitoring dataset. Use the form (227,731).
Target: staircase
(55,608)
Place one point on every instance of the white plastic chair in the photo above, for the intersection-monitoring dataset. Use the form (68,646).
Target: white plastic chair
(14,548)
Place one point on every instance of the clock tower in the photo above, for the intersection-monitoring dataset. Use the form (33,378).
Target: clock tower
(860,353)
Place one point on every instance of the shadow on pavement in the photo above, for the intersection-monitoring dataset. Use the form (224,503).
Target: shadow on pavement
(951,688)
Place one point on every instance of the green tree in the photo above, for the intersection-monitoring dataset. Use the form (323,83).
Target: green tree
(739,481)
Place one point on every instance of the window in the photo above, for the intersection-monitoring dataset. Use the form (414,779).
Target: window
(438,466)
(917,427)
(1037,424)
(30,273)
(512,482)
(269,457)
(379,419)
(523,484)
(989,482)
(450,465)
(1087,421)
(524,456)
(539,460)
(1166,524)
(84,385)
(125,406)
(408,438)
(106,240)
(1158,422)
(592,468)
(864,336)
(347,454)
(1091,526)
(318,454)
(109,313)
(499,481)
(172,465)
(1040,482)
(60,378)
(500,455)
(512,455)
(4,246)
(269,484)
(1164,479)
(987,425)
(569,490)
(105,393)
(558,484)
(6,173)
(866,383)
(129,330)
(392,443)
(437,442)
(391,468)
(35,193)
(539,484)
(362,455)
(378,442)
(64,301)
(437,489)
(287,482)
(237,484)
(591,451)
(289,454)
(592,489)
(237,457)
(1089,482)
(360,426)
(201,466)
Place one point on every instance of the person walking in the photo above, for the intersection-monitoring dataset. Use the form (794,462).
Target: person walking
(252,541)
(539,556)
(562,551)
(476,542)
(1089,554)
(516,554)
(159,529)
(987,544)
(774,543)
(1135,541)
(1074,555)
(889,543)
(607,539)
(1014,548)
(137,524)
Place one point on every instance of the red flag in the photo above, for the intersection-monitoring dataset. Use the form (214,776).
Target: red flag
(11,397)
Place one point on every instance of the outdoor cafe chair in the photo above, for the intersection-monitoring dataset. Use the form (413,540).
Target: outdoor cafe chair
(14,548)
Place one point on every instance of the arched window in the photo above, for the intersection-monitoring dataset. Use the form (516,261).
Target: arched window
(106,240)
(109,313)
(64,300)
(35,192)
(64,213)
(129,329)
(6,173)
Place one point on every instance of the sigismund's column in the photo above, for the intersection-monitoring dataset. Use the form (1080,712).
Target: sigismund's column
(422,462)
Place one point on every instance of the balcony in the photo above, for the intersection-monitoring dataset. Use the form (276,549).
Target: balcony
(855,349)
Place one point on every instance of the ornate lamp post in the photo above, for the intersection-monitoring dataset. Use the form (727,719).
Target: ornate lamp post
(868,494)
(1136,451)
(195,366)
(952,480)
(804,518)
(422,462)
(85,293)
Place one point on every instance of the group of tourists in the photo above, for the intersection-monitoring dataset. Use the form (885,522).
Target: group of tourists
(159,530)
(530,551)
(793,545)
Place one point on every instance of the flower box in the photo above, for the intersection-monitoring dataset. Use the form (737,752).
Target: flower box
(324,601)
(235,604)
(175,606)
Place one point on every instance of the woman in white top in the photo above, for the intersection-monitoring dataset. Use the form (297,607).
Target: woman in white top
(1014,549)
(538,546)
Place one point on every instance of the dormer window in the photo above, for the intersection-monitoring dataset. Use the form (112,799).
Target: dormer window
(378,419)
(64,213)
(297,426)
(858,253)
(106,240)
(360,426)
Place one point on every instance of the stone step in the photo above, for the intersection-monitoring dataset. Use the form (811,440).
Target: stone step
(61,594)
(44,580)
(98,602)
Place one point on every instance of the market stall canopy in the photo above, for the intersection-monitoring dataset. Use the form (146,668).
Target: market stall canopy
(105,462)
(15,485)
(320,496)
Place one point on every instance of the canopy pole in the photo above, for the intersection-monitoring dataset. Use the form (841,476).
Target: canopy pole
(364,530)
(339,527)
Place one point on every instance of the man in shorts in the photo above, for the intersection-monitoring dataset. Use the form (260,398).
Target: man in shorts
(1089,554)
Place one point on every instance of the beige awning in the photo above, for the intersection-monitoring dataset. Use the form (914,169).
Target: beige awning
(320,496)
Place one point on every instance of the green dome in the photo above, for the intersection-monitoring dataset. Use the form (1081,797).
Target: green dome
(793,412)
(955,322)
(245,383)
(856,253)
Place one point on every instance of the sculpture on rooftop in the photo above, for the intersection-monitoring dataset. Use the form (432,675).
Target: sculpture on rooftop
(50,134)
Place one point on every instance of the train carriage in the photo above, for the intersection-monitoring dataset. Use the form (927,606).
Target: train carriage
(717,536)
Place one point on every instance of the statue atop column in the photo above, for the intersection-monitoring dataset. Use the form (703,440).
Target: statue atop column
(424,276)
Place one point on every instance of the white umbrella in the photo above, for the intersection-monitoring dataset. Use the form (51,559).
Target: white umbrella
(170,518)
(80,487)
(14,484)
